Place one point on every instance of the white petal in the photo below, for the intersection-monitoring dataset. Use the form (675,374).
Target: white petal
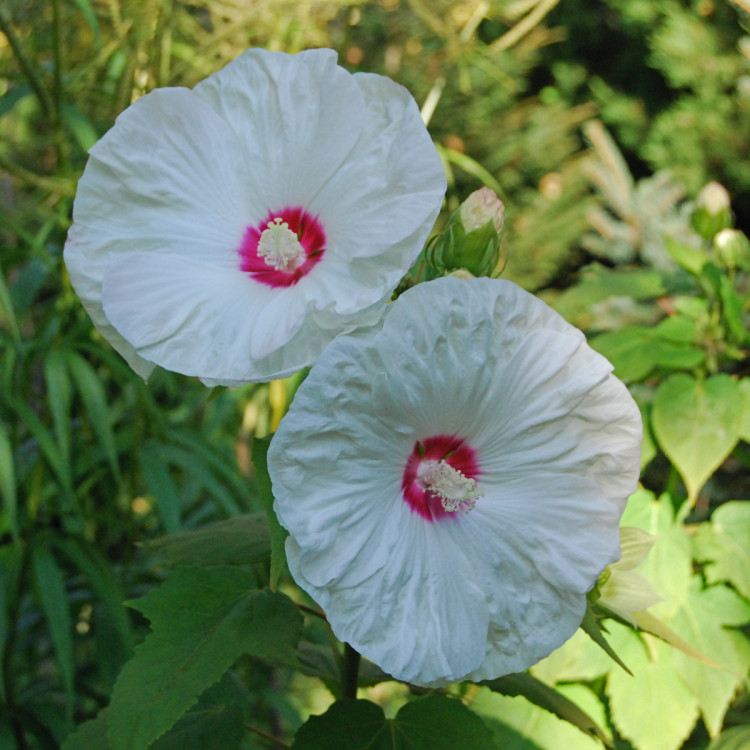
(193,317)
(297,116)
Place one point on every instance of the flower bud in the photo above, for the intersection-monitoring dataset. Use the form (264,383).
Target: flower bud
(471,238)
(733,249)
(712,212)
(622,589)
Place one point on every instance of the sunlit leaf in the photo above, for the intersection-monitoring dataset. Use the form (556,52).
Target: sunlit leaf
(431,723)
(203,620)
(697,424)
(653,707)
(736,738)
(705,622)
(725,544)
(549,699)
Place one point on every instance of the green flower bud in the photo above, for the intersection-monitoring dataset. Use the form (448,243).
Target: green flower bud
(733,249)
(712,212)
(471,238)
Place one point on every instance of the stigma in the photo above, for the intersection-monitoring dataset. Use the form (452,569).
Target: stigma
(280,247)
(457,492)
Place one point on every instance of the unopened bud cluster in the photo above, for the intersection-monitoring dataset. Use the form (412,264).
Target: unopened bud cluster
(470,241)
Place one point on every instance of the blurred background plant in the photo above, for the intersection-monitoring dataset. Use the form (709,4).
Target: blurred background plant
(598,122)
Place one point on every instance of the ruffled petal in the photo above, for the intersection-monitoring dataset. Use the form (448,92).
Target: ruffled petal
(194,317)
(297,117)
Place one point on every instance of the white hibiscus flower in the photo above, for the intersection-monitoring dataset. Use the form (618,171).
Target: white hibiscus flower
(231,231)
(452,481)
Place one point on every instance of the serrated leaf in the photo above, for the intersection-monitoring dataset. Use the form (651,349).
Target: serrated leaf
(697,424)
(724,543)
(90,389)
(278,532)
(203,620)
(239,540)
(216,723)
(549,699)
(653,708)
(702,621)
(432,723)
(49,584)
(91,735)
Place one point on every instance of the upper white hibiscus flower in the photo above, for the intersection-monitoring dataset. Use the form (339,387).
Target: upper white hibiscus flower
(231,231)
(453,480)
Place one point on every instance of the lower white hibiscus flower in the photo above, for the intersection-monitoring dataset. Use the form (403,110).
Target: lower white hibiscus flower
(453,480)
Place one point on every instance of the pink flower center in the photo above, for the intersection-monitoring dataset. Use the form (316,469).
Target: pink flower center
(283,248)
(440,476)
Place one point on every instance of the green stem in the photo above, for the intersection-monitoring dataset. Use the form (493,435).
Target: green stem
(267,736)
(349,672)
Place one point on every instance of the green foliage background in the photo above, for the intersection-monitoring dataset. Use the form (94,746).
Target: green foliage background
(597,122)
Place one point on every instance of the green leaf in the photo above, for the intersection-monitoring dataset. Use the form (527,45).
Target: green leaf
(90,16)
(549,699)
(669,565)
(736,738)
(278,532)
(697,424)
(90,388)
(688,257)
(80,125)
(216,723)
(100,573)
(705,622)
(539,729)
(8,490)
(240,540)
(6,303)
(725,544)
(59,395)
(593,630)
(156,472)
(203,620)
(50,587)
(635,351)
(653,708)
(91,735)
(744,387)
(317,660)
(732,307)
(432,723)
